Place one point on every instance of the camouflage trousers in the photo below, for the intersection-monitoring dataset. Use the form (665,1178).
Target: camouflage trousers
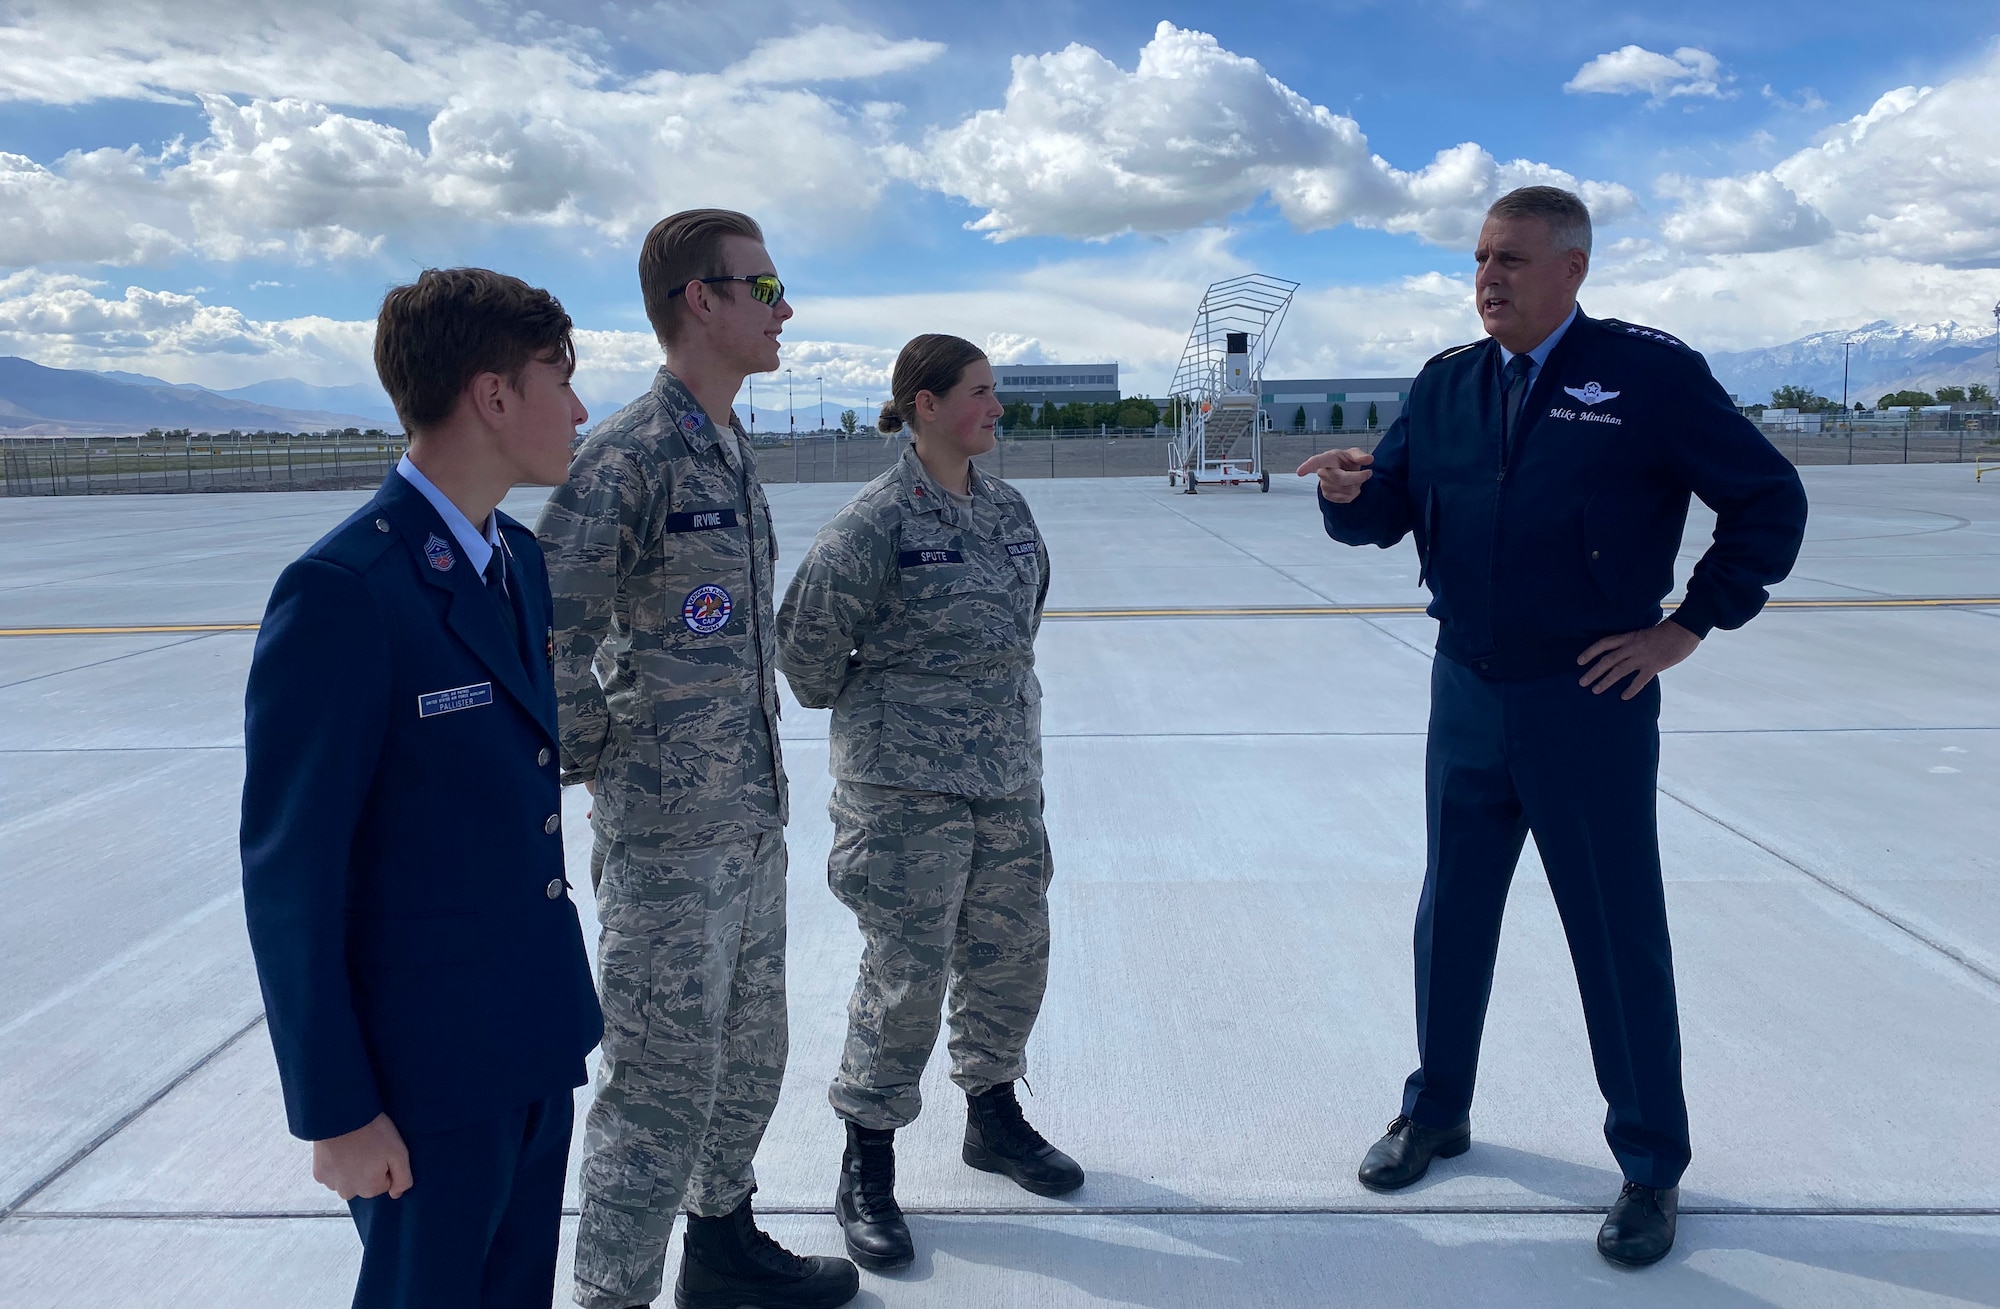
(951,891)
(691,973)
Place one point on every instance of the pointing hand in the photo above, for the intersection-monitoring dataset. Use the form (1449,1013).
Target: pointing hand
(1341,473)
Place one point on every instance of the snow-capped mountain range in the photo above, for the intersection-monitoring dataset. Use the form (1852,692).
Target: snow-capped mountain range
(1882,357)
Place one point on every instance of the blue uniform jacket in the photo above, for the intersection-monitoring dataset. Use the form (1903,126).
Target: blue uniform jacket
(1535,551)
(402,844)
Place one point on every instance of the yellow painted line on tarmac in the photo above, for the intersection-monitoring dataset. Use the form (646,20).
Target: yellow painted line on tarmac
(1325,611)
(1193,611)
(143,629)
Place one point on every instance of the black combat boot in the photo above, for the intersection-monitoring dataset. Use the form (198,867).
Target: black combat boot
(865,1203)
(999,1140)
(728,1263)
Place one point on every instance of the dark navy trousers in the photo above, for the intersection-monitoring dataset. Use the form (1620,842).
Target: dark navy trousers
(1544,755)
(479,1225)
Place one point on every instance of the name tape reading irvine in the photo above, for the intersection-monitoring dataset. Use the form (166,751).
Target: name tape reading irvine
(701,520)
(918,558)
(457,698)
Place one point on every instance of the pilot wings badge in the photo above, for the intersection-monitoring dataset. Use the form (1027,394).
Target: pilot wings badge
(1591,393)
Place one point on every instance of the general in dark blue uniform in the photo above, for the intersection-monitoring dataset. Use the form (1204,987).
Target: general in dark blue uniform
(1547,490)
(423,972)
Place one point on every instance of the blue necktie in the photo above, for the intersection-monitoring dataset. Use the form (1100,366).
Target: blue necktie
(496,586)
(1514,396)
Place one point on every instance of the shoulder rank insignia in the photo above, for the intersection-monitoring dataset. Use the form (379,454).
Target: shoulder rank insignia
(1646,333)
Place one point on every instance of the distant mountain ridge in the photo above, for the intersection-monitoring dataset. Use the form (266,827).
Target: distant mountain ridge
(40,401)
(1882,357)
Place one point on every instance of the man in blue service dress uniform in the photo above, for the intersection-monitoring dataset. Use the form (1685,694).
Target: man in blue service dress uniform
(423,972)
(1545,474)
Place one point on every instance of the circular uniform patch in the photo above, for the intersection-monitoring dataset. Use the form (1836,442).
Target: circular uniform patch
(706,609)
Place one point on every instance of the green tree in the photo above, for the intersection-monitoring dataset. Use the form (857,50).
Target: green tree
(1374,418)
(1137,411)
(1018,414)
(1337,420)
(1917,399)
(1802,398)
(848,419)
(1951,395)
(1979,393)
(1299,419)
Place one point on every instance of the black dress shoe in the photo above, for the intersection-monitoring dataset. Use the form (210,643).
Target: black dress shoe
(1405,1154)
(1639,1230)
(998,1139)
(865,1203)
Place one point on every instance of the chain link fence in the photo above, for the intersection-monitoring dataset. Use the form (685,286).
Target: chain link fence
(103,465)
(126,465)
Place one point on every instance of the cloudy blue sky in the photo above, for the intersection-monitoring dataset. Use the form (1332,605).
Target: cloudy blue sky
(219,193)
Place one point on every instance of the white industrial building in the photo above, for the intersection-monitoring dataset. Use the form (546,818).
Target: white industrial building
(1319,396)
(1056,384)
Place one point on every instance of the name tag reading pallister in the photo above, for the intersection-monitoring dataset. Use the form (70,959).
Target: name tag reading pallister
(703,520)
(457,698)
(918,558)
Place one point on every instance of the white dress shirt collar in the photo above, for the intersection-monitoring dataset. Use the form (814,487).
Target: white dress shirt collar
(1540,354)
(478,545)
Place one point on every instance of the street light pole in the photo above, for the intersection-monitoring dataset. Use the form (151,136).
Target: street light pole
(791,423)
(753,404)
(822,400)
(1844,410)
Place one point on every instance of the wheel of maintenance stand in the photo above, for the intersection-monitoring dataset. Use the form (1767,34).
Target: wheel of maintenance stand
(1190,485)
(1264,482)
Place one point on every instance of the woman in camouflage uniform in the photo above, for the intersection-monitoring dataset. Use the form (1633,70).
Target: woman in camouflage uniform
(914,617)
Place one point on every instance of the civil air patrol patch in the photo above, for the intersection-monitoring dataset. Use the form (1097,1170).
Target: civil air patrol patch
(433,703)
(1591,393)
(690,423)
(706,609)
(439,553)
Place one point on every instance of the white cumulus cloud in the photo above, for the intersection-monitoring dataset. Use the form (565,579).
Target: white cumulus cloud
(535,132)
(1916,176)
(1740,215)
(1082,148)
(1635,70)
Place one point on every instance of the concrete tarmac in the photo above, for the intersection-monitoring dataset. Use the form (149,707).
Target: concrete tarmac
(1235,802)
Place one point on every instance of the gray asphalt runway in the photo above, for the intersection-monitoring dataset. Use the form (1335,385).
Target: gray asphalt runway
(1235,801)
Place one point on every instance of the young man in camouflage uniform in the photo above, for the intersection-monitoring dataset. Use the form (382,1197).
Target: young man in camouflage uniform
(914,616)
(660,560)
